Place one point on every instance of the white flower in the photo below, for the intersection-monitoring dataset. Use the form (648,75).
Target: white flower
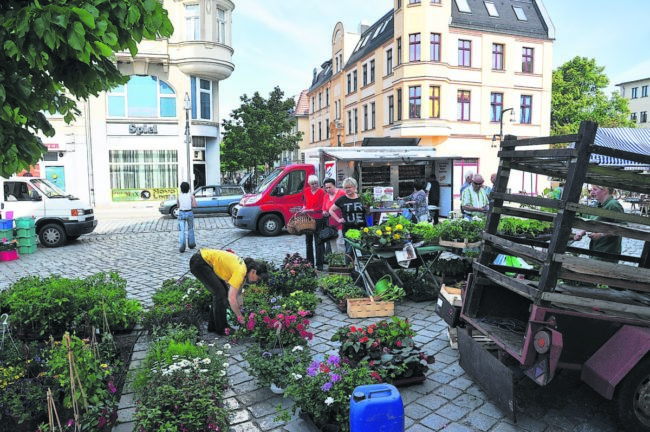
(296,376)
(297,348)
(225,365)
(203,370)
(206,360)
(226,346)
(222,373)
(329,401)
(219,352)
(211,345)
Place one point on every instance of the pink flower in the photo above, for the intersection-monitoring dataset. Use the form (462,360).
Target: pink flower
(111,387)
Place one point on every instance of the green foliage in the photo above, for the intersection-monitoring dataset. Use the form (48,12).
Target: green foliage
(578,95)
(425,231)
(271,367)
(259,131)
(461,229)
(514,226)
(55,52)
(341,287)
(336,259)
(295,274)
(54,304)
(419,284)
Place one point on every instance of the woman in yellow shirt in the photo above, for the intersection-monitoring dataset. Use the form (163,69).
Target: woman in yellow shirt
(223,273)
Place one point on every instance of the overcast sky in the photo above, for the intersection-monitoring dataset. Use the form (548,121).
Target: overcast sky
(280,42)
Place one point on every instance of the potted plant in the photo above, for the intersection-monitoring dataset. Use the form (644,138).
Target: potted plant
(336,263)
(418,286)
(339,288)
(275,368)
(266,325)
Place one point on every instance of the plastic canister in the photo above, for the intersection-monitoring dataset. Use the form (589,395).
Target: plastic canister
(376,408)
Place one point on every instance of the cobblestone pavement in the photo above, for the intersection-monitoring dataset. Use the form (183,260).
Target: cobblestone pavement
(142,247)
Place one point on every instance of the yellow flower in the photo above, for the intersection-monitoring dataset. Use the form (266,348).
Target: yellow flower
(104,365)
(396,236)
(365,230)
(378,232)
(387,229)
(399,226)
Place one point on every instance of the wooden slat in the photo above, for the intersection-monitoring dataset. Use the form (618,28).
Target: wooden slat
(621,154)
(546,153)
(514,285)
(557,139)
(596,211)
(525,213)
(604,269)
(611,228)
(598,305)
(525,199)
(511,248)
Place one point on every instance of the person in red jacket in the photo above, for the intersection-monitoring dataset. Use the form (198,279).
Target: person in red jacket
(313,206)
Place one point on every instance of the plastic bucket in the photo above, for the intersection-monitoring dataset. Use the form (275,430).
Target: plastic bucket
(376,408)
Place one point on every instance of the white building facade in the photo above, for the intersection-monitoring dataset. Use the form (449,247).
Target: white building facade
(140,140)
(636,92)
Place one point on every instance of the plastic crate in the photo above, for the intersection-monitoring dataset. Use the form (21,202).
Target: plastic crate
(25,250)
(25,232)
(26,241)
(24,222)
(8,255)
(7,234)
(6,224)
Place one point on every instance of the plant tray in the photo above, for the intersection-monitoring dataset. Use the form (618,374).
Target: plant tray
(366,308)
(459,245)
(418,298)
(340,305)
(405,382)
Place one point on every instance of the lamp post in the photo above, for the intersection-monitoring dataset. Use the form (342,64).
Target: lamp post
(188,138)
(494,137)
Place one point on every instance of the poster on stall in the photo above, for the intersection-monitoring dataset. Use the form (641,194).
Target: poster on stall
(330,170)
(443,169)
(383,193)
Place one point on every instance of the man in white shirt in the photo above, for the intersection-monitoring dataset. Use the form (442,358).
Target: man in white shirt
(474,200)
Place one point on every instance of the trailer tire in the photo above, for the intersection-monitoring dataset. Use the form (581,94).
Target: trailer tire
(633,398)
(270,225)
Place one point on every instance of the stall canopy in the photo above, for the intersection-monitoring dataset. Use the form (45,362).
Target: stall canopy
(625,139)
(384,154)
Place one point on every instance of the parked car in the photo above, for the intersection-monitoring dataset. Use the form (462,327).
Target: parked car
(210,199)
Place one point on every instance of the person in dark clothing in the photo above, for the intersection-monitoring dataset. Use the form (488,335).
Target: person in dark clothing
(354,214)
(433,188)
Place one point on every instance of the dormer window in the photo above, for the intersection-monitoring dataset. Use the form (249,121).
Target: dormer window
(521,15)
(491,9)
(463,6)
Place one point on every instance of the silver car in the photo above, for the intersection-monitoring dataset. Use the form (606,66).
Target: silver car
(210,199)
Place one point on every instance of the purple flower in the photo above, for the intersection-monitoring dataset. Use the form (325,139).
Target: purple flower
(326,387)
(267,354)
(111,387)
(333,360)
(335,378)
(313,369)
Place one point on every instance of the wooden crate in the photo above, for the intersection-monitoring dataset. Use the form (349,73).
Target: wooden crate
(366,308)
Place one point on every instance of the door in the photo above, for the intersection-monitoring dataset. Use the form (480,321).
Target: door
(23,199)
(56,175)
(287,193)
(206,199)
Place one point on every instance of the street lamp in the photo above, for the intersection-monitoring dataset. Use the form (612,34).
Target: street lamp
(188,137)
(512,119)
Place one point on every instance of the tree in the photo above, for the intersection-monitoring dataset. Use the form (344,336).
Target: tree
(578,94)
(260,129)
(56,51)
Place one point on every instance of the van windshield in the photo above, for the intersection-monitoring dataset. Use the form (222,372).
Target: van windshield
(48,189)
(268,180)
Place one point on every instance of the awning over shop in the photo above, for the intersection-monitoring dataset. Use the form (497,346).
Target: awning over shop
(625,139)
(384,154)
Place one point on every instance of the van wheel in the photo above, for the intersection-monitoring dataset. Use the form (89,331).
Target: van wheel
(231,207)
(270,225)
(633,398)
(52,235)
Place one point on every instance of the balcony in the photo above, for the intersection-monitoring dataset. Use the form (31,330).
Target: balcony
(202,58)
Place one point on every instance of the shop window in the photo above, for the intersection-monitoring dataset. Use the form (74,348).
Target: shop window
(142,97)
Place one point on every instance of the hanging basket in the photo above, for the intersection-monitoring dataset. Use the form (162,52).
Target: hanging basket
(301,223)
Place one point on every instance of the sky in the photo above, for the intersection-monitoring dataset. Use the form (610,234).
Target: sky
(280,42)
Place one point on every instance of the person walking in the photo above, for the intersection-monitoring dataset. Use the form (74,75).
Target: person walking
(223,274)
(602,242)
(433,189)
(185,203)
(474,201)
(352,210)
(419,199)
(332,193)
(313,205)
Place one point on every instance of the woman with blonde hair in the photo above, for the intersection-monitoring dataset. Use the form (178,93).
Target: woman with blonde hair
(313,206)
(350,206)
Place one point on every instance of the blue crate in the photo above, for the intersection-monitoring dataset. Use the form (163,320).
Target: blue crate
(6,224)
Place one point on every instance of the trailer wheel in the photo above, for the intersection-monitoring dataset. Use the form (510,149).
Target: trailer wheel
(270,225)
(633,398)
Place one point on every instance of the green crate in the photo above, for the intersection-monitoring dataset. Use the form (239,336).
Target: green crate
(25,232)
(24,222)
(8,234)
(24,250)
(26,241)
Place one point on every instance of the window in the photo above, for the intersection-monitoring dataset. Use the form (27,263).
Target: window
(313,104)
(414,1)
(435,1)
(142,96)
(399,104)
(521,15)
(633,117)
(364,73)
(391,109)
(414,47)
(399,4)
(635,92)
(527,65)
(463,6)
(463,105)
(389,61)
(143,169)
(435,47)
(415,101)
(372,115)
(372,71)
(349,122)
(525,109)
(354,80)
(320,131)
(221,26)
(497,56)
(644,117)
(365,117)
(203,94)
(399,51)
(320,100)
(644,91)
(356,121)
(464,53)
(192,22)
(434,99)
(313,134)
(327,128)
(349,83)
(327,97)
(294,182)
(496,107)
(491,9)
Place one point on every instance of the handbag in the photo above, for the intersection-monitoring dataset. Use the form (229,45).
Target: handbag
(328,232)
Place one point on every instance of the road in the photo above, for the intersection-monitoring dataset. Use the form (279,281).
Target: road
(142,246)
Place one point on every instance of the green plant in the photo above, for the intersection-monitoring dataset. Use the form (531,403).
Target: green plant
(416,284)
(425,231)
(341,287)
(300,301)
(336,259)
(450,264)
(367,198)
(266,325)
(182,292)
(271,367)
(295,274)
(461,229)
(391,292)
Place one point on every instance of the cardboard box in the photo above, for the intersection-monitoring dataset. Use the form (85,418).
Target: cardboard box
(366,308)
(448,306)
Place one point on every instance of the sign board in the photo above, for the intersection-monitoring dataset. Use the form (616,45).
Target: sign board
(383,193)
(443,174)
(330,170)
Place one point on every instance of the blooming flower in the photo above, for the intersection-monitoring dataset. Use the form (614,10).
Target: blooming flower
(327,386)
(329,401)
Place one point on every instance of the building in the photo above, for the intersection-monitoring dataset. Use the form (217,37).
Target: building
(140,140)
(636,93)
(455,74)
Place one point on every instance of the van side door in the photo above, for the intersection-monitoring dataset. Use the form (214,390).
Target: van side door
(22,198)
(288,192)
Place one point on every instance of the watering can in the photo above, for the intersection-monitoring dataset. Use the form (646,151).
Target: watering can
(382,284)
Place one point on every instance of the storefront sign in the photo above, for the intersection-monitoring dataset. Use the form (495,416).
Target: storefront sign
(142,194)
(143,129)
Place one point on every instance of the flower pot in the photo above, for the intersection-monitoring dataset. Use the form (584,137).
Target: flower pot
(277,390)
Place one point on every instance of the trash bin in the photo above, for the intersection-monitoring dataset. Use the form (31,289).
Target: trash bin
(376,408)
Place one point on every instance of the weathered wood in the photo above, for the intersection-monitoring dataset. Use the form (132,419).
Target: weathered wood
(599,306)
(621,154)
(596,211)
(526,290)
(557,139)
(529,200)
(547,153)
(510,248)
(591,225)
(609,294)
(526,213)
(604,269)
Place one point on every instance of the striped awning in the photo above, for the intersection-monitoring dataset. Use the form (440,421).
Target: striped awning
(625,139)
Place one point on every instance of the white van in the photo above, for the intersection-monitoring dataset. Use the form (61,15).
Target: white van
(57,215)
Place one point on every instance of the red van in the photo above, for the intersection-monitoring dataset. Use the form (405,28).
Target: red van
(267,209)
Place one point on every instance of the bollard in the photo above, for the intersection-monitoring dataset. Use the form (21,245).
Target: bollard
(376,408)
